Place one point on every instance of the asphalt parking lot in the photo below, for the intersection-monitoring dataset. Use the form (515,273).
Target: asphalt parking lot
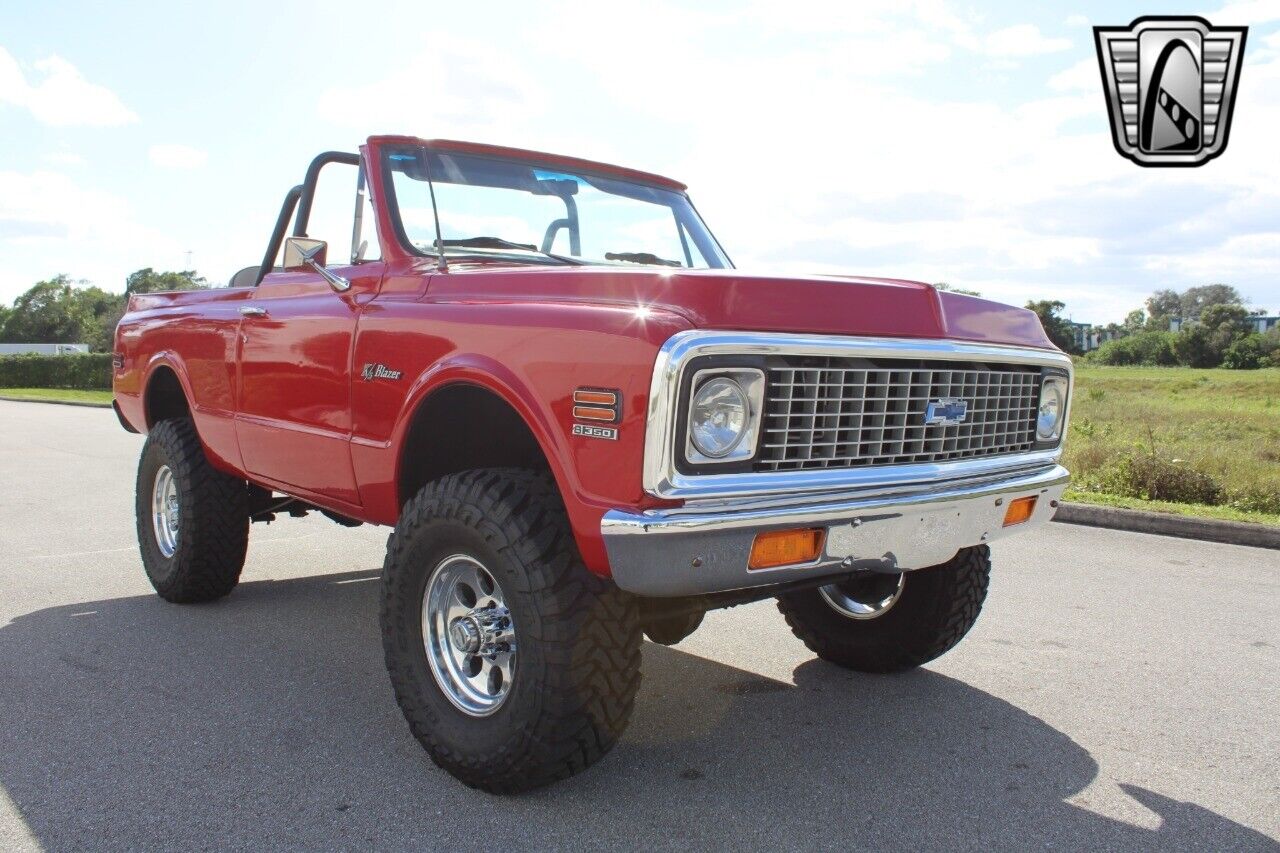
(1120,691)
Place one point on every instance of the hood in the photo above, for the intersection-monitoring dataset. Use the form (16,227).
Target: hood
(731,299)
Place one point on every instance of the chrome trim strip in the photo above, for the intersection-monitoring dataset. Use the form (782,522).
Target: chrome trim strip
(625,523)
(788,500)
(661,479)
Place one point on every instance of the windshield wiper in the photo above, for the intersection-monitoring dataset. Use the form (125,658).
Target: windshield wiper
(499,243)
(641,258)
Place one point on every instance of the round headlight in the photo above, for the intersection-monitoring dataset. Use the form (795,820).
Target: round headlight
(718,418)
(1052,403)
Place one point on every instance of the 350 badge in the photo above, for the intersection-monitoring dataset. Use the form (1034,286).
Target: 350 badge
(610,433)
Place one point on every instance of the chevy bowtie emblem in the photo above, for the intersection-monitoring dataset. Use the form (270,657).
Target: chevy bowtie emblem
(948,411)
(1171,85)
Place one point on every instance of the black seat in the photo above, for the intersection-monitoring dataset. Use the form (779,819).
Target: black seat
(247,277)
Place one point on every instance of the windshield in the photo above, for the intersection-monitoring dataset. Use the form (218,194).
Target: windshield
(519,211)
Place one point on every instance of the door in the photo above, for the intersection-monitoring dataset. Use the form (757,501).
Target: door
(293,413)
(294,417)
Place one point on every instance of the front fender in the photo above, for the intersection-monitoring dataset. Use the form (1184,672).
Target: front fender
(533,357)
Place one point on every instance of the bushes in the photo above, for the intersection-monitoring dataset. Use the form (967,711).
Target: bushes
(1149,348)
(1153,478)
(1256,497)
(1138,473)
(1194,347)
(1246,353)
(86,371)
(1223,338)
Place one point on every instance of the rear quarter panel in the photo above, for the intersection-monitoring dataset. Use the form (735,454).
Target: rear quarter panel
(194,334)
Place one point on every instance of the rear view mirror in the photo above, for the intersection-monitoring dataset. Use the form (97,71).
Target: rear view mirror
(302,253)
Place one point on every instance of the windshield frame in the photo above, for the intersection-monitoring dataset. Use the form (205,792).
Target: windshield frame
(716,258)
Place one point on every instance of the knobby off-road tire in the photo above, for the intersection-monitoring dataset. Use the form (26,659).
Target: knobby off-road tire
(936,608)
(576,667)
(212,532)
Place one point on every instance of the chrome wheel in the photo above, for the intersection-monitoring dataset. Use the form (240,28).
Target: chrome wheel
(164,511)
(865,598)
(468,635)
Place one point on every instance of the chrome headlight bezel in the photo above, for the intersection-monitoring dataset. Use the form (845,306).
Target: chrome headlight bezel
(750,382)
(1055,390)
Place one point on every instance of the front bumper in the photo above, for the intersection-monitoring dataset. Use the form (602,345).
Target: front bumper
(705,548)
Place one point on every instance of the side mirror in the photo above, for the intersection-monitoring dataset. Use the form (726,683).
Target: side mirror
(302,253)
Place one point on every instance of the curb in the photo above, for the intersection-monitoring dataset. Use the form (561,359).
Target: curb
(82,403)
(1166,524)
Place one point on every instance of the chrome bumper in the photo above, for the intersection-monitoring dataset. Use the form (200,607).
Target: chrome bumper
(698,549)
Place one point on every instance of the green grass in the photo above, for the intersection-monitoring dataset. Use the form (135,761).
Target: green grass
(61,395)
(1223,424)
(1225,513)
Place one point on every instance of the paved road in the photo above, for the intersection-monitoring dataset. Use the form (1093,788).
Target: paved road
(1120,691)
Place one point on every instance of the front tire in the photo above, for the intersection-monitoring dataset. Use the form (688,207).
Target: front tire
(514,665)
(892,623)
(193,520)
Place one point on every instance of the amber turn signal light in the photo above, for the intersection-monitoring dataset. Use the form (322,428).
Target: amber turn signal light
(595,398)
(786,547)
(597,404)
(1019,510)
(587,413)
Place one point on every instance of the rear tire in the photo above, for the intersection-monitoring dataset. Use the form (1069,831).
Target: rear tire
(566,642)
(932,612)
(193,520)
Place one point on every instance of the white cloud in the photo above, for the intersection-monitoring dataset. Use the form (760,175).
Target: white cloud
(50,223)
(451,88)
(1247,12)
(1023,40)
(57,94)
(64,158)
(177,156)
(1083,76)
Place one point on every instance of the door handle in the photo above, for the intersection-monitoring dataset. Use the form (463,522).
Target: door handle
(253,311)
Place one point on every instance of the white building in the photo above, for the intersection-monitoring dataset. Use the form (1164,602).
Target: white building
(1089,337)
(43,349)
(1261,325)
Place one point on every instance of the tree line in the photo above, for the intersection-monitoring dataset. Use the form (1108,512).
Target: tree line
(1216,330)
(61,311)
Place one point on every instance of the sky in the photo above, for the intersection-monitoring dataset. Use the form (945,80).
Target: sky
(965,143)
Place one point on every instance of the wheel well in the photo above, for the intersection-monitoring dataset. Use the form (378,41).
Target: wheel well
(165,398)
(461,427)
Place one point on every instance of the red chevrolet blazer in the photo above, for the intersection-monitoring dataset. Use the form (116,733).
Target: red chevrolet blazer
(584,425)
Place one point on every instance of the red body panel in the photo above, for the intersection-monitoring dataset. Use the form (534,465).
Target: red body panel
(279,399)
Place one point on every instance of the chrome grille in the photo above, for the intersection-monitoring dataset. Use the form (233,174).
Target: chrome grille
(846,412)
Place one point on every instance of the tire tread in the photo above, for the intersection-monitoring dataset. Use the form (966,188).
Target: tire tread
(958,589)
(591,632)
(208,566)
